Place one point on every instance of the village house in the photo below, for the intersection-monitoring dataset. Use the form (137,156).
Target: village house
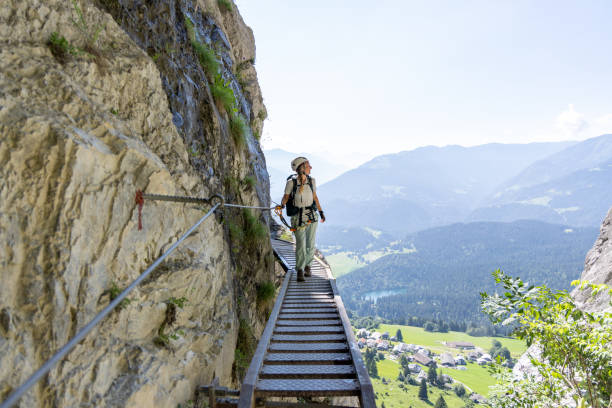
(414,368)
(484,359)
(362,333)
(421,376)
(447,360)
(362,342)
(383,345)
(385,335)
(423,350)
(474,355)
(447,379)
(460,360)
(423,359)
(401,348)
(371,343)
(479,399)
(464,345)
(375,336)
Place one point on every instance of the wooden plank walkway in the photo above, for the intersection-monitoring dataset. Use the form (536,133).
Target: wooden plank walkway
(308,348)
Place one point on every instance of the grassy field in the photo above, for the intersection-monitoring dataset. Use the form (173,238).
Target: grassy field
(406,396)
(434,341)
(343,263)
(476,377)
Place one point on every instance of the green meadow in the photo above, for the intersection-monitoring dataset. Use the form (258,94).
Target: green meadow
(476,378)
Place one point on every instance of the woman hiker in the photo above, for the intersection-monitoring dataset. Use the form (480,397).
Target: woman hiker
(302,190)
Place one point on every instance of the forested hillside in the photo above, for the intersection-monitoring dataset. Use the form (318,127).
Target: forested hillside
(441,281)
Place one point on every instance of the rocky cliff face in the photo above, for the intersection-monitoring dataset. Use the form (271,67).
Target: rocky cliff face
(121,100)
(597,269)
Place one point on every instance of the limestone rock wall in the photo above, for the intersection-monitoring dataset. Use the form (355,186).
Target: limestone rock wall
(597,269)
(128,107)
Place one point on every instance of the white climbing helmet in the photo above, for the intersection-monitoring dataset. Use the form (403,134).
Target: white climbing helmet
(295,163)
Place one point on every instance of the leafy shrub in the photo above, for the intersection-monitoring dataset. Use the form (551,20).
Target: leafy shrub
(224,5)
(245,348)
(89,34)
(254,230)
(238,130)
(162,339)
(60,47)
(265,292)
(206,56)
(115,291)
(459,390)
(574,344)
(224,94)
(246,231)
(249,181)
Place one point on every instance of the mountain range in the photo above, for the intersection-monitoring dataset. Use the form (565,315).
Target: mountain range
(573,186)
(561,182)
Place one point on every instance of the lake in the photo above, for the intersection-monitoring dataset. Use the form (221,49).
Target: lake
(376,294)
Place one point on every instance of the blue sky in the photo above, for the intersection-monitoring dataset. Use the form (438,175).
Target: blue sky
(355,79)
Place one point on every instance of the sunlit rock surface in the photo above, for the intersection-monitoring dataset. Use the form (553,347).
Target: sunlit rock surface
(597,269)
(78,137)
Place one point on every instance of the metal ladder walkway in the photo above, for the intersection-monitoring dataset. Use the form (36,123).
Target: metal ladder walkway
(308,348)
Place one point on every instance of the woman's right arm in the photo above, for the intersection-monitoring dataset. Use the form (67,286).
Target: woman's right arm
(284,200)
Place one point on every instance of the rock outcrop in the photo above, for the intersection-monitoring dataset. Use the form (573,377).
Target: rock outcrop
(119,101)
(597,269)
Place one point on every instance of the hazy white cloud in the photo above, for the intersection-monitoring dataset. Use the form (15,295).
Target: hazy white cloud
(602,125)
(571,122)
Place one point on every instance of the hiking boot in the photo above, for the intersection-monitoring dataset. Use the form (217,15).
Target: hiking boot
(307,272)
(300,275)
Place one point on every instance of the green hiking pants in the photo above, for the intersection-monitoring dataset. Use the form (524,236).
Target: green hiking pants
(305,245)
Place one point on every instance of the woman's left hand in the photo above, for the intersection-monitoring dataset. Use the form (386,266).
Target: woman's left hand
(322,216)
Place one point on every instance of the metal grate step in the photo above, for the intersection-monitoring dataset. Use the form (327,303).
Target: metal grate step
(321,323)
(306,358)
(308,329)
(308,347)
(306,388)
(304,338)
(308,371)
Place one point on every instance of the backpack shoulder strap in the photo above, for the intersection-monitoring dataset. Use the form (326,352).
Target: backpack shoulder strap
(294,177)
(310,183)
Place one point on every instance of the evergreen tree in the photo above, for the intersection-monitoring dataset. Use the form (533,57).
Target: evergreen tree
(400,377)
(432,375)
(459,390)
(441,381)
(399,336)
(440,403)
(372,369)
(406,371)
(403,361)
(423,390)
